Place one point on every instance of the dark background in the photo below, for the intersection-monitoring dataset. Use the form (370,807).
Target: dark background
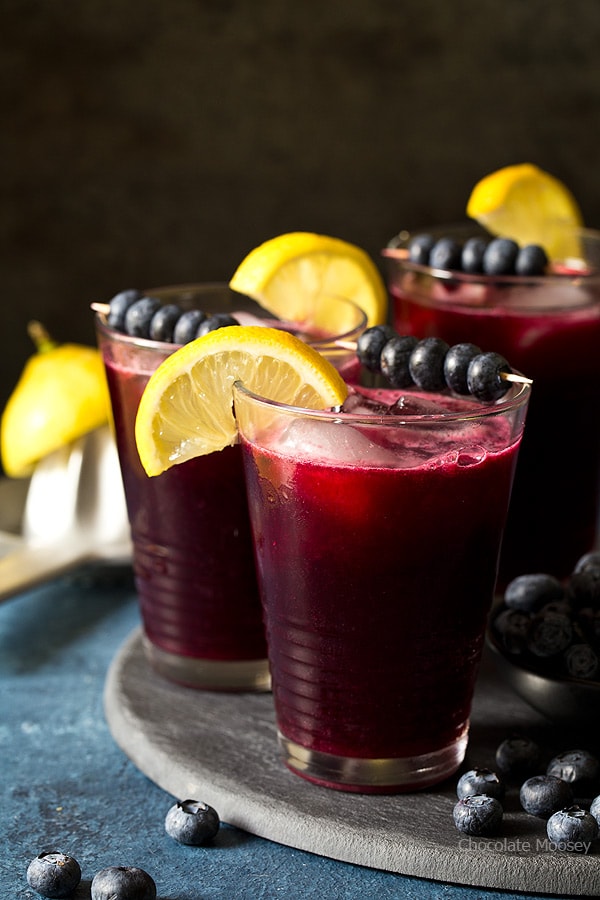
(146,142)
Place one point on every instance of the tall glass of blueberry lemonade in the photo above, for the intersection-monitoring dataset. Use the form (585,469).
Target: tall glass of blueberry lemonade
(192,548)
(460,283)
(377,529)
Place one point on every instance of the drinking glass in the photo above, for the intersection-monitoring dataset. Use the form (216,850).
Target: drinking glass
(549,328)
(192,547)
(376,536)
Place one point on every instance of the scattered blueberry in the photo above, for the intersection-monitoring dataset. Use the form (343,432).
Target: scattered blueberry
(419,249)
(187,326)
(484,376)
(163,322)
(456,365)
(123,883)
(53,874)
(212,323)
(192,822)
(480,781)
(518,755)
(472,255)
(531,260)
(427,364)
(445,254)
(478,815)
(580,769)
(572,829)
(139,316)
(395,359)
(119,305)
(550,634)
(370,344)
(500,257)
(542,795)
(530,592)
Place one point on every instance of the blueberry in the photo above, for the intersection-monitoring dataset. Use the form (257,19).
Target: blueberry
(581,661)
(530,592)
(419,249)
(123,883)
(395,358)
(119,305)
(53,874)
(584,588)
(139,315)
(445,254)
(531,260)
(511,629)
(472,255)
(426,364)
(212,323)
(542,795)
(588,561)
(500,257)
(163,322)
(192,822)
(518,755)
(579,768)
(550,634)
(478,815)
(187,325)
(370,344)
(572,829)
(484,377)
(480,781)
(456,365)
(595,809)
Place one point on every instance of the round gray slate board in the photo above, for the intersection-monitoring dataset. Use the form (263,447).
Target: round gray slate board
(221,748)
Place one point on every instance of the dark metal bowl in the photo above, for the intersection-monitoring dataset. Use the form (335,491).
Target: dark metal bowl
(566,701)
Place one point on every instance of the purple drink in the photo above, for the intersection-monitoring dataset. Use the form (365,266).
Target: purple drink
(549,328)
(192,547)
(377,539)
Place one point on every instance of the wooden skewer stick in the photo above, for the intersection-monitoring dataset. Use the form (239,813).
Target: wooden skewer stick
(104,308)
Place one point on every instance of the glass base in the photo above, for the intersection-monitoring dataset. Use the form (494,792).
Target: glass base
(374,776)
(209,674)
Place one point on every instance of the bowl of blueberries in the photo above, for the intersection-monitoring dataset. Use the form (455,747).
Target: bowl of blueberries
(545,637)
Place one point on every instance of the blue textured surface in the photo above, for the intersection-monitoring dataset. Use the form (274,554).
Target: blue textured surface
(65,784)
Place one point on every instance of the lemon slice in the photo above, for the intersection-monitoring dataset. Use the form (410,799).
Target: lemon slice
(60,396)
(530,206)
(186,408)
(289,274)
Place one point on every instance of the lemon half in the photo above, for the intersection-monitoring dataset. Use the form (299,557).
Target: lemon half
(288,273)
(186,408)
(530,206)
(61,395)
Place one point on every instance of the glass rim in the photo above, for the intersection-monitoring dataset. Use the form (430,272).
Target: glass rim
(170,292)
(394,251)
(516,398)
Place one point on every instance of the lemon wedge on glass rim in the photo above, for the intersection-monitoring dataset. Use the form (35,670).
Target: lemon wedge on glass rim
(289,273)
(60,396)
(525,203)
(186,409)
